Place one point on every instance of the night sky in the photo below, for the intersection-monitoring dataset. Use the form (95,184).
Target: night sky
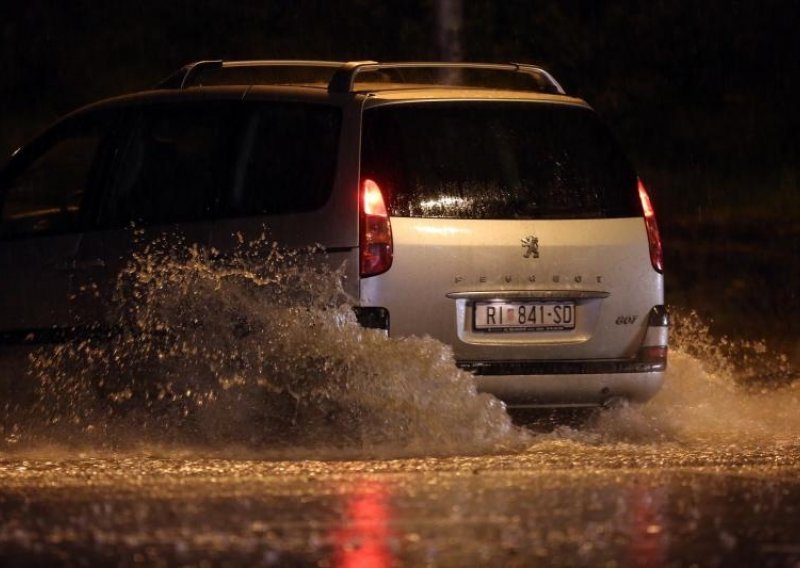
(702,94)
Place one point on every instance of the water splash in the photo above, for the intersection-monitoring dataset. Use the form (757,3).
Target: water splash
(258,349)
(718,392)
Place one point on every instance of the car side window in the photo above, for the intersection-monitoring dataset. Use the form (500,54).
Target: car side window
(46,193)
(289,162)
(174,164)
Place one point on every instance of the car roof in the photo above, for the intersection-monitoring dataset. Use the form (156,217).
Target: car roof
(381,94)
(209,94)
(337,83)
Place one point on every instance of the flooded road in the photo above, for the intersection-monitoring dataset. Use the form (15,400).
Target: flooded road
(233,436)
(559,503)
(705,475)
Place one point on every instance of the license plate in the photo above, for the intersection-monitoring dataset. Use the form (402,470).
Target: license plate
(524,316)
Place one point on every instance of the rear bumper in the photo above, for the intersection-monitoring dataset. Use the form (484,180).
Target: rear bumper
(571,390)
(579,383)
(591,367)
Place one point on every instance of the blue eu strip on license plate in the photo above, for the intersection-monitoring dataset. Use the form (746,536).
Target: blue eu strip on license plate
(524,316)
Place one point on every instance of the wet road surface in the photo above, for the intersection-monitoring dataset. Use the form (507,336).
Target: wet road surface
(707,474)
(384,455)
(561,502)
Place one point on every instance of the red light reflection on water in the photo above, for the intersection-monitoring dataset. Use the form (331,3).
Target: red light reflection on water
(648,534)
(363,539)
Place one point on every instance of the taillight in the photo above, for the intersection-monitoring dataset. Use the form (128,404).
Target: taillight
(375,239)
(654,354)
(653,236)
(654,350)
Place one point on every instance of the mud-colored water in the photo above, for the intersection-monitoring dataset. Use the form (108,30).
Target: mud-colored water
(242,417)
(259,352)
(718,393)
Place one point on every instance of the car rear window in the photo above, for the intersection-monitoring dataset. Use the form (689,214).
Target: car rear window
(487,160)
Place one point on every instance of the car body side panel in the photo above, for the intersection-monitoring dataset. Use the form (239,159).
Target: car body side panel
(36,283)
(333,228)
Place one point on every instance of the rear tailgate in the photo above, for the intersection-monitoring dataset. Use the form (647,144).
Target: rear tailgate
(518,229)
(443,268)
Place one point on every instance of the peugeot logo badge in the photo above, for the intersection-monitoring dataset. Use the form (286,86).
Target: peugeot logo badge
(531,246)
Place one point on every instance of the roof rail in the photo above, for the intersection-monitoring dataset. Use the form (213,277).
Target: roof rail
(180,79)
(344,79)
(185,77)
(341,77)
(536,71)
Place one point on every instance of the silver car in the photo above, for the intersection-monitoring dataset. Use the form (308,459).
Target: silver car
(475,203)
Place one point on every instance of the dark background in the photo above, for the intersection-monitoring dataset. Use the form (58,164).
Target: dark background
(702,94)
